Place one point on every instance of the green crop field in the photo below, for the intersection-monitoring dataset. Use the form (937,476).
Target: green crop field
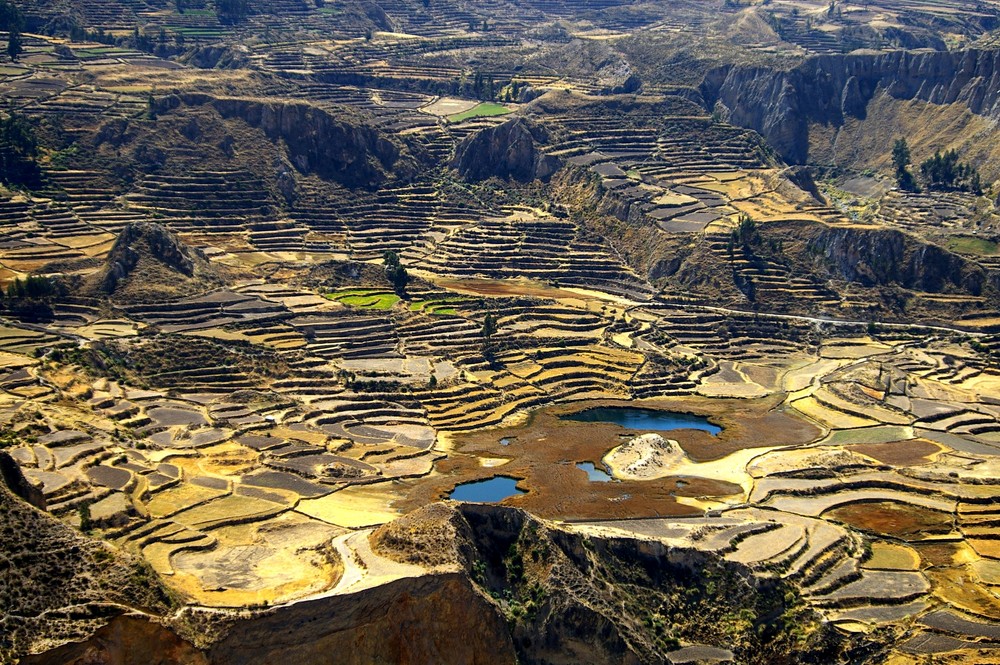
(366,298)
(480,110)
(971,245)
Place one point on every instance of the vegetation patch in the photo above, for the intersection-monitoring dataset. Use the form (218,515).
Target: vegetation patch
(366,298)
(973,245)
(905,521)
(486,109)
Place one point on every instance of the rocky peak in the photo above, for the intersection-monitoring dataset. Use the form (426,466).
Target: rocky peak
(509,150)
(145,239)
(148,263)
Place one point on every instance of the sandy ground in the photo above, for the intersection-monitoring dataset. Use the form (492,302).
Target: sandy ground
(445,106)
(650,456)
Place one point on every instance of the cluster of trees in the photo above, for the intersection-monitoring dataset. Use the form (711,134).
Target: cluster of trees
(232,11)
(395,272)
(163,44)
(18,152)
(31,298)
(512,92)
(483,86)
(12,22)
(745,233)
(943,171)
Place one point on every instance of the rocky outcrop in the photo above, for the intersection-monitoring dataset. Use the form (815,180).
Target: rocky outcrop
(339,147)
(58,586)
(152,239)
(126,640)
(509,150)
(881,257)
(436,618)
(500,587)
(781,104)
(11,475)
(147,259)
(217,56)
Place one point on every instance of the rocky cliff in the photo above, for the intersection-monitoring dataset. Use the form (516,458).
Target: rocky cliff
(501,587)
(782,104)
(57,586)
(875,265)
(436,618)
(15,481)
(125,639)
(509,150)
(341,147)
(881,257)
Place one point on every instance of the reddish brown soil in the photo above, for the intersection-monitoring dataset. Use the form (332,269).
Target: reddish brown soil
(937,554)
(891,518)
(899,453)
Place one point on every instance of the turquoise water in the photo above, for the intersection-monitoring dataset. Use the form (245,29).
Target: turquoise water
(593,473)
(644,419)
(491,490)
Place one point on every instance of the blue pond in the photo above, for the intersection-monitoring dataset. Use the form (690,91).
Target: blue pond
(644,419)
(593,473)
(491,490)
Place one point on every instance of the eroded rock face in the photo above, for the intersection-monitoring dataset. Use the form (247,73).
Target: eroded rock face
(150,238)
(11,475)
(781,104)
(438,618)
(317,141)
(501,587)
(880,257)
(148,263)
(509,150)
(125,640)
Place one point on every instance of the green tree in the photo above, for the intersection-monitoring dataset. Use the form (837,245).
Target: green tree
(232,11)
(12,21)
(901,162)
(900,155)
(15,46)
(487,332)
(395,272)
(18,152)
(11,17)
(489,327)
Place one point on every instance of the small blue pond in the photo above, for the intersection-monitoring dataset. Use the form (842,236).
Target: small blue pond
(593,473)
(490,490)
(644,419)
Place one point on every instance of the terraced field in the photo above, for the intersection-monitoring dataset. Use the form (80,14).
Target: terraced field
(331,412)
(327,319)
